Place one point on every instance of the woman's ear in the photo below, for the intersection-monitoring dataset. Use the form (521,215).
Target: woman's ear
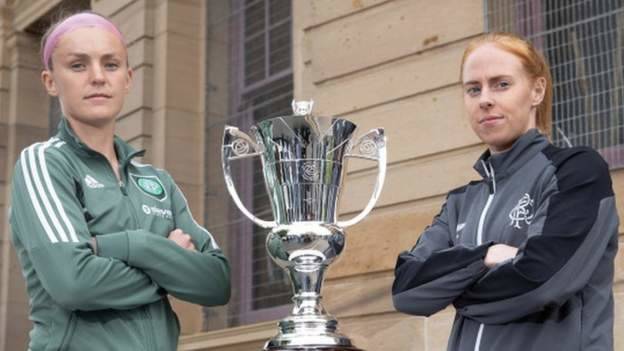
(539,90)
(129,79)
(48,82)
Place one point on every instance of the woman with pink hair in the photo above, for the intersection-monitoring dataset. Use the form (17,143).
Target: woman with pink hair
(102,239)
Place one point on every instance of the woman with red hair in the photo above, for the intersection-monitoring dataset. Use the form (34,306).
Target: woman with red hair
(525,254)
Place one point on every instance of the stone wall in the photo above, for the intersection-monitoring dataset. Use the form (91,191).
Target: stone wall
(380,63)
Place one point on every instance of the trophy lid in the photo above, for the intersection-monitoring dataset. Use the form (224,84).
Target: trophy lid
(305,128)
(302,108)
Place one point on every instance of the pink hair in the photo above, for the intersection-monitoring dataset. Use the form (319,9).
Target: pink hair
(79,20)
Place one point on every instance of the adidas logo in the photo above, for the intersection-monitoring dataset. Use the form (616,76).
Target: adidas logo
(92,182)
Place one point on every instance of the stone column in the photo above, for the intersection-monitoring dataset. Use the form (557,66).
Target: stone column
(23,120)
(179,108)
(4,110)
(216,93)
(165,110)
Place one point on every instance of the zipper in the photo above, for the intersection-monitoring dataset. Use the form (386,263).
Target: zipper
(149,330)
(133,211)
(69,331)
(122,184)
(122,181)
(124,191)
(121,169)
(479,335)
(112,172)
(490,174)
(122,187)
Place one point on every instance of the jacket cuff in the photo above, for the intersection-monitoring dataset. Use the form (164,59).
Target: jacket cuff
(113,245)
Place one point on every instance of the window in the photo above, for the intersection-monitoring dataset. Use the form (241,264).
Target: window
(584,43)
(249,79)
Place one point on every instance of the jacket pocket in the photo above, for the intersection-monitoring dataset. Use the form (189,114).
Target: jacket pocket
(69,332)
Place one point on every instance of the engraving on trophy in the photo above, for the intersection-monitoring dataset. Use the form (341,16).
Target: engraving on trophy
(240,147)
(368,147)
(302,108)
(310,172)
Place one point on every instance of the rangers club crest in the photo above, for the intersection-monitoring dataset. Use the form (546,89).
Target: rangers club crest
(522,212)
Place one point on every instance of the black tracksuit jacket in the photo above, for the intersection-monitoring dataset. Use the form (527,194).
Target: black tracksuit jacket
(557,206)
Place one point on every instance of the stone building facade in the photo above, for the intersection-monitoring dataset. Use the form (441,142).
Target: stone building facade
(379,63)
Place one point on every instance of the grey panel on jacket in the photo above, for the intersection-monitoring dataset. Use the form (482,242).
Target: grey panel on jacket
(557,207)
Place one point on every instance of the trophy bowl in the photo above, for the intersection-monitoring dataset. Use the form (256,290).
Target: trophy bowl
(304,159)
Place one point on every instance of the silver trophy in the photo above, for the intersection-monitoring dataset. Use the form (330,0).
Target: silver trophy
(304,160)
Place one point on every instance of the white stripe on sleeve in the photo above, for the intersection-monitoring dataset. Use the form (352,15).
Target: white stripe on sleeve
(55,198)
(41,191)
(33,198)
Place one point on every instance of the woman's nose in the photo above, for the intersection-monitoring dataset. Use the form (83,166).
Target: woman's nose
(97,73)
(486,104)
(485,100)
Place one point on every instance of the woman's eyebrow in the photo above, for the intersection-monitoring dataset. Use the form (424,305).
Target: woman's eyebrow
(82,55)
(471,82)
(78,55)
(499,77)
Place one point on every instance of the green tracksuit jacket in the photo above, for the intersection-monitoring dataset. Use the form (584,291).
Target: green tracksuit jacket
(63,194)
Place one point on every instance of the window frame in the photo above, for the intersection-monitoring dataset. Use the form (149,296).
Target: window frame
(243,250)
(592,125)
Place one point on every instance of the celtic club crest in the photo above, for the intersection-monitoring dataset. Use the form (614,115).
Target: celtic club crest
(150,186)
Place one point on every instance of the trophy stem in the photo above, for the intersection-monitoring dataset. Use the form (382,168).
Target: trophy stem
(306,277)
(309,327)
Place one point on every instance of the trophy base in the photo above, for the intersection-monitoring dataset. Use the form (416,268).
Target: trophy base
(308,327)
(314,348)
(275,346)
(294,340)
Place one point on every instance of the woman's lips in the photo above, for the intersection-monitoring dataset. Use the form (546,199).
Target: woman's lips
(97,97)
(487,120)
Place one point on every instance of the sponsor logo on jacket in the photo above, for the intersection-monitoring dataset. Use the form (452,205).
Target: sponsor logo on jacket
(158,212)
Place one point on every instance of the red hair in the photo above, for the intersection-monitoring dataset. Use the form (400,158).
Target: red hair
(533,62)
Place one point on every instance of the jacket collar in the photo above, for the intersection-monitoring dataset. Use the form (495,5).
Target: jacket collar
(124,151)
(506,163)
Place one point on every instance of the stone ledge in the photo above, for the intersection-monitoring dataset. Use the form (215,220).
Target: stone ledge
(229,337)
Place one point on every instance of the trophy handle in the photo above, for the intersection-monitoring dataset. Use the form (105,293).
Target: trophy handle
(236,145)
(370,146)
